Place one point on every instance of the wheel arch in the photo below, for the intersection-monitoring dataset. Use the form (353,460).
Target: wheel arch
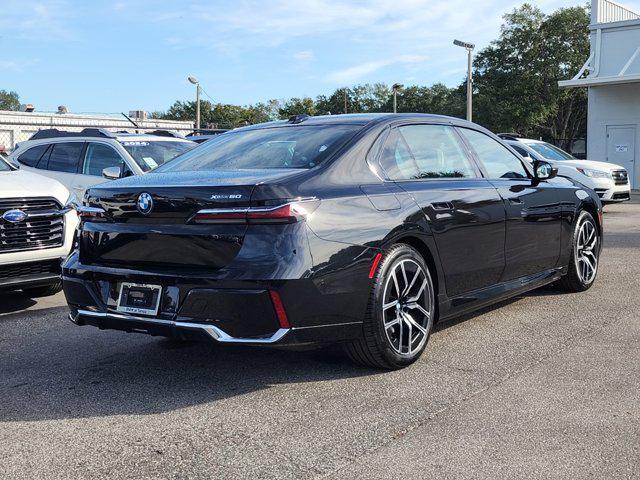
(425,251)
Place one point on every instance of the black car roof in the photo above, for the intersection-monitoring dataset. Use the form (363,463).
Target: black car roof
(358,119)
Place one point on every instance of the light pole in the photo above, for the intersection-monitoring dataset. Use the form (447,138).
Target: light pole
(194,80)
(469,47)
(395,87)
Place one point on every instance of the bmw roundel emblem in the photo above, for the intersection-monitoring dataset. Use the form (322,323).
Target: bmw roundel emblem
(14,216)
(145,203)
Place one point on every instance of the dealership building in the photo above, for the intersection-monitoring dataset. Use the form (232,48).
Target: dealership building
(612,75)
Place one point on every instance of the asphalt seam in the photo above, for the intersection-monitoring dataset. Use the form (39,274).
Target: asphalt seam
(572,341)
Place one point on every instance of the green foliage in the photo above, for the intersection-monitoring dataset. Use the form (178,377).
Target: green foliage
(9,100)
(515,85)
(516,77)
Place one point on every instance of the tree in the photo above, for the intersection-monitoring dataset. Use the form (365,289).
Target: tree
(9,100)
(516,76)
(297,106)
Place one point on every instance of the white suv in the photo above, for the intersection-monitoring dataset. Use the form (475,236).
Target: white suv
(80,160)
(610,182)
(37,225)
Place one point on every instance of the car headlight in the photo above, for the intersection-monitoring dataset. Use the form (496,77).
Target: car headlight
(72,201)
(594,173)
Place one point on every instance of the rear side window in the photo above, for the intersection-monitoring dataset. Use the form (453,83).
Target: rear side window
(65,157)
(423,152)
(498,161)
(98,157)
(32,156)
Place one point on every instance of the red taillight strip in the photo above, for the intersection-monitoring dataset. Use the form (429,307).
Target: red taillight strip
(278,306)
(85,212)
(286,213)
(374,265)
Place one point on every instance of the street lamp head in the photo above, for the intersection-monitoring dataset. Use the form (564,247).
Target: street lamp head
(467,45)
(193,80)
(396,86)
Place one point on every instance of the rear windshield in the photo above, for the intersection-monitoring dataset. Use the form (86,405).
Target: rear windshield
(150,154)
(550,152)
(266,148)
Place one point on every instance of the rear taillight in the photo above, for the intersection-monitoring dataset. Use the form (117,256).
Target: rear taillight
(290,212)
(94,214)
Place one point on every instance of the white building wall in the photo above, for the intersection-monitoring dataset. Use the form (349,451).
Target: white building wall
(611,106)
(19,126)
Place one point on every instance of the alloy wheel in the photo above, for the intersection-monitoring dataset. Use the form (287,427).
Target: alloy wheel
(586,251)
(407,306)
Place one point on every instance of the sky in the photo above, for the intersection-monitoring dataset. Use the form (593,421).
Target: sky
(113,56)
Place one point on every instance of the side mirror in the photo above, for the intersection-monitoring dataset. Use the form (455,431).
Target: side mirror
(544,170)
(112,173)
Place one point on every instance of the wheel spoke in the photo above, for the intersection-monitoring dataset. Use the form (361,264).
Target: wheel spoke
(395,283)
(417,296)
(417,306)
(413,280)
(411,321)
(404,276)
(392,323)
(389,305)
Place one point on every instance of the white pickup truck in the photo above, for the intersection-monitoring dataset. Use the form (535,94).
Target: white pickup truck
(37,225)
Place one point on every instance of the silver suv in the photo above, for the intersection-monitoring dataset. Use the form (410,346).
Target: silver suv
(80,160)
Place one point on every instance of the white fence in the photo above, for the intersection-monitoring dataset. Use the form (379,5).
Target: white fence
(605,11)
(19,126)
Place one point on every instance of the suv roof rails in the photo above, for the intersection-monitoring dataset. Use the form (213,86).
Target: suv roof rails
(87,132)
(298,118)
(509,136)
(164,133)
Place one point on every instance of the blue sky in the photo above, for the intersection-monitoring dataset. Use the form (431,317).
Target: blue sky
(110,56)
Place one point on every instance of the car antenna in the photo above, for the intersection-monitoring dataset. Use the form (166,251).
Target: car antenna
(129,118)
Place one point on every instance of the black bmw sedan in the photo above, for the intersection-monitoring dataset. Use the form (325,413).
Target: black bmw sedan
(358,229)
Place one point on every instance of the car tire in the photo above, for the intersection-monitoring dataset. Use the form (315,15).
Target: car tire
(400,312)
(45,291)
(585,255)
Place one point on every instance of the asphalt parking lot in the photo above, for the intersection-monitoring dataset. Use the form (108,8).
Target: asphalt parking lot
(544,386)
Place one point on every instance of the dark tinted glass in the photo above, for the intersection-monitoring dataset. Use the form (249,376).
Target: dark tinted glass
(151,154)
(99,157)
(32,156)
(425,151)
(498,161)
(266,148)
(64,157)
(4,166)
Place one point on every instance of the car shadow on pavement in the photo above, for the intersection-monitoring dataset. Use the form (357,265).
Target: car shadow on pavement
(80,372)
(11,302)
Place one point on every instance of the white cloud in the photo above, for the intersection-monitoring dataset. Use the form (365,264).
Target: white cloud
(42,21)
(303,56)
(356,72)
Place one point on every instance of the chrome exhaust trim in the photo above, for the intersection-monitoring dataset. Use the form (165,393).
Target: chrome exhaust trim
(214,332)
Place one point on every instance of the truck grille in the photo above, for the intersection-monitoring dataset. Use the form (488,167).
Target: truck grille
(46,230)
(620,177)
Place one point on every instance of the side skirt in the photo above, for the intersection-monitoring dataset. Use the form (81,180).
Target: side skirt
(465,303)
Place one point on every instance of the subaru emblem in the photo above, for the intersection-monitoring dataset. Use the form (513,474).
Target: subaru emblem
(14,216)
(145,203)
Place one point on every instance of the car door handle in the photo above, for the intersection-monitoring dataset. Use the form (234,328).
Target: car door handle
(516,201)
(440,206)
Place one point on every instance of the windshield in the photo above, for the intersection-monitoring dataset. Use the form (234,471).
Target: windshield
(150,154)
(4,165)
(550,152)
(266,148)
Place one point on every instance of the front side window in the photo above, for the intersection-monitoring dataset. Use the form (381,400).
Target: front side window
(32,156)
(425,151)
(296,146)
(150,154)
(98,157)
(65,157)
(498,161)
(4,166)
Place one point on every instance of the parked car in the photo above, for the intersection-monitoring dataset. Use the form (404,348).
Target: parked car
(37,225)
(202,136)
(360,229)
(610,182)
(81,159)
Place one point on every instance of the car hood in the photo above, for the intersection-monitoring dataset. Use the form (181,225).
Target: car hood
(591,164)
(20,183)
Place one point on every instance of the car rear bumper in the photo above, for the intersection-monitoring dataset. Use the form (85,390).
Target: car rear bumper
(209,308)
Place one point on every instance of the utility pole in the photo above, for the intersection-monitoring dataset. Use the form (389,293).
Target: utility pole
(194,81)
(395,87)
(469,47)
(345,99)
